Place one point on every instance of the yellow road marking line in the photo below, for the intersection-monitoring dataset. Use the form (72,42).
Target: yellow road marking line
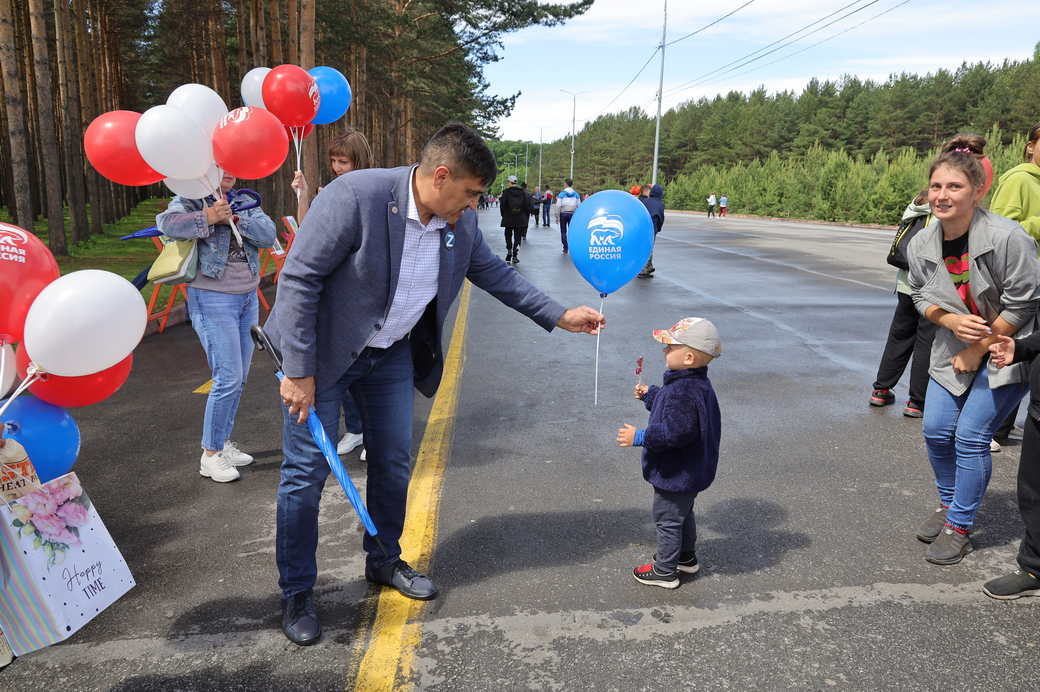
(204,387)
(397,630)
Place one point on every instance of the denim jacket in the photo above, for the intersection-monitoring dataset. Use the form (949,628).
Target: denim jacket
(185,219)
(1005,282)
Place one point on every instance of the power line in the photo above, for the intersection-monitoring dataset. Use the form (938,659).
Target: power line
(833,36)
(740,62)
(630,83)
(708,26)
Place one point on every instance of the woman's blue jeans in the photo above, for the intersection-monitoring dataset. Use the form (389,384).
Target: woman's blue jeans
(222,321)
(957,432)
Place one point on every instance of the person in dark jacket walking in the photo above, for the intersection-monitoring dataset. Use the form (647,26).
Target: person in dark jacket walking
(1024,581)
(680,445)
(515,209)
(653,199)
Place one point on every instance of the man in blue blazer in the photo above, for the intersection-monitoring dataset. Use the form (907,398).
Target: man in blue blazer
(361,305)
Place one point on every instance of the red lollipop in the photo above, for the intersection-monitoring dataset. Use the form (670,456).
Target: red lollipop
(76,391)
(250,143)
(112,151)
(26,267)
(291,94)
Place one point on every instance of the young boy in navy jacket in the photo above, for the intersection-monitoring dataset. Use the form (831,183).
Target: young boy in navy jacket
(680,445)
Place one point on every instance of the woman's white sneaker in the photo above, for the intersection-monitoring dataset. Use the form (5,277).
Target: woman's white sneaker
(234,455)
(216,467)
(349,443)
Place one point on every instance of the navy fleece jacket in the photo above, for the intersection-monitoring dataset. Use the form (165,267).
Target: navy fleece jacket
(681,441)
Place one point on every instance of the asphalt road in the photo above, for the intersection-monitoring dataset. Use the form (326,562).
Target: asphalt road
(811,577)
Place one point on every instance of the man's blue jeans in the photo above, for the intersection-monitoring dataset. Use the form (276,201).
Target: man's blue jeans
(565,220)
(957,432)
(545,213)
(222,321)
(381,382)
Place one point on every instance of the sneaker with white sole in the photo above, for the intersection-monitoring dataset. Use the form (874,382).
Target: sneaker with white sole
(234,455)
(1011,586)
(648,574)
(349,443)
(994,446)
(216,467)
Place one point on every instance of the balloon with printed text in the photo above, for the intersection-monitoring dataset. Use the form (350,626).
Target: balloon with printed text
(26,268)
(250,143)
(335,94)
(292,95)
(610,238)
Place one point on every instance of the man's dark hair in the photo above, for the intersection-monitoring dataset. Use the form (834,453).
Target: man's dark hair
(523,185)
(568,181)
(462,150)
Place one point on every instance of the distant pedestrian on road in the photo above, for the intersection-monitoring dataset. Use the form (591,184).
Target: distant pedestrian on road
(975,274)
(547,200)
(223,305)
(711,205)
(514,218)
(680,445)
(567,202)
(653,199)
(723,204)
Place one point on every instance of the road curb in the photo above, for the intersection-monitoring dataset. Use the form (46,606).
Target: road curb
(780,218)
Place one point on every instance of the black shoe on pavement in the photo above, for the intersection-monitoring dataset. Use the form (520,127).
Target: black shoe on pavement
(300,619)
(565,251)
(402,577)
(648,574)
(516,259)
(882,397)
(1012,586)
(932,525)
(913,410)
(643,275)
(687,563)
(949,547)
(509,259)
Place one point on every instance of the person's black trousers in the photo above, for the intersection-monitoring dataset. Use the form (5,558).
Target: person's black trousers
(1029,496)
(513,236)
(911,334)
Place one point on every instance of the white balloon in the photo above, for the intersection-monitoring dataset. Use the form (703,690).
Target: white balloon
(198,188)
(9,375)
(253,87)
(202,104)
(84,322)
(173,144)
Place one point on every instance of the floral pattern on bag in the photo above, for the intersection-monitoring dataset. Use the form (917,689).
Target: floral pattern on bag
(52,516)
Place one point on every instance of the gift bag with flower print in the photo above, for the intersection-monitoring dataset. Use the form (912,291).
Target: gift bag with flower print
(61,567)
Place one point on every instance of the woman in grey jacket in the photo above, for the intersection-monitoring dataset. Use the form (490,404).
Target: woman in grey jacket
(975,275)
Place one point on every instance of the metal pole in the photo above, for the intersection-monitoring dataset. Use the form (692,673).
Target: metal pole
(527,151)
(574,110)
(539,158)
(660,90)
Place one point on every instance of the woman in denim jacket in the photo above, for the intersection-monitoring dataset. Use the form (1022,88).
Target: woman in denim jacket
(223,305)
(975,275)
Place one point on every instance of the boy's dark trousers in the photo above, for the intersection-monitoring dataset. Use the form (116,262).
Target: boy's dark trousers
(676,528)
(513,236)
(1029,496)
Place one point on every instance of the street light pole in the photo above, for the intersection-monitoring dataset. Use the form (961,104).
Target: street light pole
(539,158)
(527,151)
(574,110)
(660,90)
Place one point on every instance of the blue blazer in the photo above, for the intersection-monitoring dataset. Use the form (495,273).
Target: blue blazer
(340,276)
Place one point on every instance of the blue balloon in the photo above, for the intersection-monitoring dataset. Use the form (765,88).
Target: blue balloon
(335,94)
(610,236)
(48,433)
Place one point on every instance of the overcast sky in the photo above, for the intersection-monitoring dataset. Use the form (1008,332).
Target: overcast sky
(599,52)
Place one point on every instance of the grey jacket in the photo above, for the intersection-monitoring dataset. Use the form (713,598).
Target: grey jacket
(1005,275)
(340,276)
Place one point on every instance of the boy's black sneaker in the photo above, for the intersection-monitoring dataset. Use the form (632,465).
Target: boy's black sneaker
(648,574)
(913,410)
(949,547)
(687,563)
(882,397)
(1012,586)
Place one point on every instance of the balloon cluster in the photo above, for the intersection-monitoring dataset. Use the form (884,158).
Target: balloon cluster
(75,335)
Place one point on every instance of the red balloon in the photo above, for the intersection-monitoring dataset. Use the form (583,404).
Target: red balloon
(291,94)
(26,267)
(250,143)
(111,149)
(76,391)
(987,166)
(306,131)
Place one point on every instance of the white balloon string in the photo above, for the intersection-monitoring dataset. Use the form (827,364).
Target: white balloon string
(33,375)
(599,331)
(297,140)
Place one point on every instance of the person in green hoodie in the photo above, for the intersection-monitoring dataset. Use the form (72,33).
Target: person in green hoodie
(1017,195)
